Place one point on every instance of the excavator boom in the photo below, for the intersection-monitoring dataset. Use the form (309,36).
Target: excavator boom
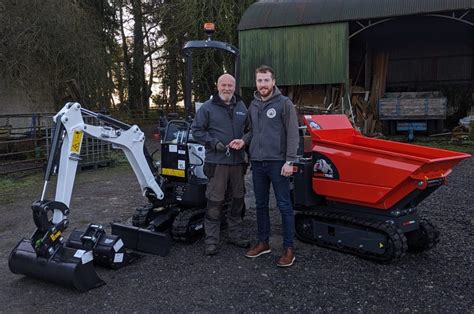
(46,255)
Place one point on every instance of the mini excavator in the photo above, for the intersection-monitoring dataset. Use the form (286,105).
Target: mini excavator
(175,192)
(48,256)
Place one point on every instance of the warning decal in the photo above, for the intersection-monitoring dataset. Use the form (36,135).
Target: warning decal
(76,142)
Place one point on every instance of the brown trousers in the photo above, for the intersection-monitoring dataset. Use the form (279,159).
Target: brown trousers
(222,177)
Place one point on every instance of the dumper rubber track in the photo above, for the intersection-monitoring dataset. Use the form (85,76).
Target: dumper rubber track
(396,244)
(188,226)
(425,238)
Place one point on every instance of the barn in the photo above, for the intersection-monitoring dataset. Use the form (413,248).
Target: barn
(391,61)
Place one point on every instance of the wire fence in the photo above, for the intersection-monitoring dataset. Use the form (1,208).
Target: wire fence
(25,139)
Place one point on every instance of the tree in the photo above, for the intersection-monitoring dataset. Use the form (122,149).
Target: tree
(62,41)
(181,21)
(137,48)
(111,46)
(138,97)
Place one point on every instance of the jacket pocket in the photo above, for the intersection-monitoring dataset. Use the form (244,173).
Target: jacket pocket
(272,147)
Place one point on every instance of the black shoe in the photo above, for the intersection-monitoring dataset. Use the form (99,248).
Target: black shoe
(243,243)
(211,249)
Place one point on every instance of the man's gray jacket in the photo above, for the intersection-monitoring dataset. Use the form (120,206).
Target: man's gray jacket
(217,122)
(274,128)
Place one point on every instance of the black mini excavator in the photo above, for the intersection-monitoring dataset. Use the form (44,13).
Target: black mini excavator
(176,202)
(182,159)
(175,192)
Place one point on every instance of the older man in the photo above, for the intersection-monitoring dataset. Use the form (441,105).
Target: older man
(220,121)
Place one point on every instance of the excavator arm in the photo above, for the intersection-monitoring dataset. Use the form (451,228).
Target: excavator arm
(128,138)
(47,255)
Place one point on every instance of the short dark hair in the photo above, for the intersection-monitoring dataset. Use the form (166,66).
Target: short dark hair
(264,69)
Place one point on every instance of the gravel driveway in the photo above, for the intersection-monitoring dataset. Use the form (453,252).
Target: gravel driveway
(321,280)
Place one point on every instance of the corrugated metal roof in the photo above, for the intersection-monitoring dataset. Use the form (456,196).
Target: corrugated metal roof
(277,13)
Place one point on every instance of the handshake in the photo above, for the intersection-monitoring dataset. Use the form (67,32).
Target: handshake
(236,144)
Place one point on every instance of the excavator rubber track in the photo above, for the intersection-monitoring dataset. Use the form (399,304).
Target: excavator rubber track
(391,248)
(188,226)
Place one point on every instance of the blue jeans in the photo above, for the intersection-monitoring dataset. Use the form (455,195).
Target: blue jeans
(264,173)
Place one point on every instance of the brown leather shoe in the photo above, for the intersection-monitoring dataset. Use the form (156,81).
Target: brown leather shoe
(258,249)
(287,259)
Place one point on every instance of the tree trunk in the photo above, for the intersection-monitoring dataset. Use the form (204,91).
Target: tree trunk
(126,62)
(137,83)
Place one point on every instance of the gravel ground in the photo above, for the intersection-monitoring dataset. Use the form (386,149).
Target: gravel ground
(321,280)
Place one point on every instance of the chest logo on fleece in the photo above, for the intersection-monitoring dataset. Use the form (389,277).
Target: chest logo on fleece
(271,113)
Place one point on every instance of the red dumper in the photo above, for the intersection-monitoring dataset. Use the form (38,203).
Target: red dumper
(359,195)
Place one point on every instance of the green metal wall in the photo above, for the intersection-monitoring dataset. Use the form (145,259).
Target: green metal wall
(300,55)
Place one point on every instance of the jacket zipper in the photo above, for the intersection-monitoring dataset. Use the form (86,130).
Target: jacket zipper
(231,117)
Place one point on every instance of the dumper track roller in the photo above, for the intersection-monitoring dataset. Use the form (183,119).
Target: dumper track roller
(314,226)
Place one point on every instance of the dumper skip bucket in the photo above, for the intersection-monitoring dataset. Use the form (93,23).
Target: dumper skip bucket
(67,267)
(351,168)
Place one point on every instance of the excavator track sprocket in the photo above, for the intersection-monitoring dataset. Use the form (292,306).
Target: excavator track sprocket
(374,240)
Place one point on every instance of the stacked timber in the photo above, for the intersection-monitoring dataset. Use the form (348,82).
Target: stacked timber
(364,112)
(412,106)
(364,103)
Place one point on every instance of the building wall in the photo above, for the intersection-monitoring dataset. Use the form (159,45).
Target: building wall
(300,55)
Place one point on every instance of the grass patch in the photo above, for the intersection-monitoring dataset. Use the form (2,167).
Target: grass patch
(10,187)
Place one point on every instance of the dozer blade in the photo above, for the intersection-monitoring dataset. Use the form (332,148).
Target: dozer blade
(143,240)
(67,267)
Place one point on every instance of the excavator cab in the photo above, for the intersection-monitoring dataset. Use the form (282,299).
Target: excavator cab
(182,161)
(209,43)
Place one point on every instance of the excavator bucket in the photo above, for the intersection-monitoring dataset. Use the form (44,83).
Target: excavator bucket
(67,267)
